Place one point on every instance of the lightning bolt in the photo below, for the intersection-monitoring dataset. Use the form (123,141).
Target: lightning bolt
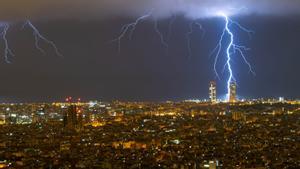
(129,29)
(189,34)
(38,37)
(7,51)
(231,49)
(4,27)
(228,54)
(162,40)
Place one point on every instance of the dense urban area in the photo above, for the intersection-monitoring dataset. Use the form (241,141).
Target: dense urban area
(183,135)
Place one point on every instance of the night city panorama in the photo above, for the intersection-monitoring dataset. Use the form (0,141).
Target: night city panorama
(130,84)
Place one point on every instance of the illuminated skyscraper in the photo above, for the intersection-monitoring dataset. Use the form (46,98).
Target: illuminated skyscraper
(213,91)
(232,94)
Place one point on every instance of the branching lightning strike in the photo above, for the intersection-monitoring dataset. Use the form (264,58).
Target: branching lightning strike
(38,36)
(131,27)
(7,51)
(4,27)
(231,49)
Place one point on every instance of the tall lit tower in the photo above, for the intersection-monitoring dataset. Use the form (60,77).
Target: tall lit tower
(213,92)
(232,92)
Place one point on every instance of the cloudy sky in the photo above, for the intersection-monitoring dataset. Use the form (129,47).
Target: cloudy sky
(92,68)
(72,9)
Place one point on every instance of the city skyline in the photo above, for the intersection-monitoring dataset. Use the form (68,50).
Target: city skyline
(177,135)
(155,84)
(158,55)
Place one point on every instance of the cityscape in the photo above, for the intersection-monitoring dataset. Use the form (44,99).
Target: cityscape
(185,135)
(149,84)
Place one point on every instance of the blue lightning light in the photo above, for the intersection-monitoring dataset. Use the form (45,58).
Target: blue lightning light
(7,51)
(231,48)
(4,27)
(38,36)
(228,54)
(131,27)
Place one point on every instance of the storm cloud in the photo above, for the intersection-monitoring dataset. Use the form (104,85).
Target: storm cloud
(78,9)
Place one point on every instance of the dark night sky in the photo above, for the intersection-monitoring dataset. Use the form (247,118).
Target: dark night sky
(92,68)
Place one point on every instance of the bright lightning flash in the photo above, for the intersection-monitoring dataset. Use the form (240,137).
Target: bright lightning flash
(231,49)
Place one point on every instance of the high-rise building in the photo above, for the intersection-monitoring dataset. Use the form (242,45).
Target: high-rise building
(72,114)
(232,92)
(73,118)
(213,91)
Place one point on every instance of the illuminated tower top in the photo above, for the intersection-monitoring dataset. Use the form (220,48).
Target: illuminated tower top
(232,92)
(232,49)
(213,92)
